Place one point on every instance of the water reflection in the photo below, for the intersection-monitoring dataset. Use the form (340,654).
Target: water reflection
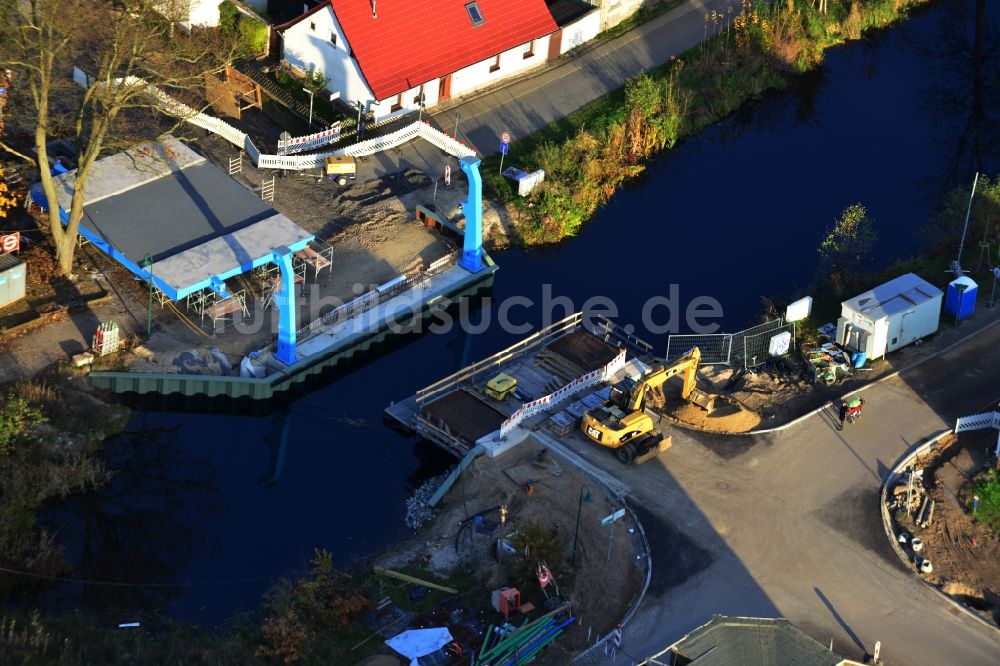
(963,97)
(142,527)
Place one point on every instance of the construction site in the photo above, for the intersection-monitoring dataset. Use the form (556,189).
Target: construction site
(279,301)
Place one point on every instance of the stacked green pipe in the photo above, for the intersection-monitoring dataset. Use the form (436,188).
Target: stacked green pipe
(520,646)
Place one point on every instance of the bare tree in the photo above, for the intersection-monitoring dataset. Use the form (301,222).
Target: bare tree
(127,49)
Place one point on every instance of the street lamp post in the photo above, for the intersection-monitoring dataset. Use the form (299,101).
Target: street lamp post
(312,95)
(588,498)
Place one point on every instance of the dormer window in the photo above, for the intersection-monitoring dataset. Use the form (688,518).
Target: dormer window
(312,26)
(475,14)
(333,39)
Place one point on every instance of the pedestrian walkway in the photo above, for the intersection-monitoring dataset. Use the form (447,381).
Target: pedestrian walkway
(557,90)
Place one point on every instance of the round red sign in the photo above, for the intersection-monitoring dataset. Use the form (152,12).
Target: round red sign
(10,243)
(505,137)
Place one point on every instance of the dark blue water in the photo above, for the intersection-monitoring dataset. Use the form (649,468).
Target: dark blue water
(734,214)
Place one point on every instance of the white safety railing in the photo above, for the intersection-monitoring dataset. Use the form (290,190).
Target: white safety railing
(529,409)
(178,109)
(978,422)
(297,144)
(445,142)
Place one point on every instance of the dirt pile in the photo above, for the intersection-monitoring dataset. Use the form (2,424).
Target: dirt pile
(728,416)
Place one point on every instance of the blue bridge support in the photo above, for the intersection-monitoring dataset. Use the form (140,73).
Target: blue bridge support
(472,249)
(285,302)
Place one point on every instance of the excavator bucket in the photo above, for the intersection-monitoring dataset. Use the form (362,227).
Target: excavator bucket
(704,400)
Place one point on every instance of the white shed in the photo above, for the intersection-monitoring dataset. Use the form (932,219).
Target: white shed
(890,316)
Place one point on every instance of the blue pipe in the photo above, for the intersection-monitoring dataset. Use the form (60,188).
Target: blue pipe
(551,632)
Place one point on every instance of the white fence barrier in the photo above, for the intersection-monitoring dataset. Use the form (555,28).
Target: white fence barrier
(444,142)
(299,143)
(978,422)
(982,421)
(529,409)
(172,107)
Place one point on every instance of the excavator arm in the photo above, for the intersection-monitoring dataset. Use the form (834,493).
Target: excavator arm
(686,365)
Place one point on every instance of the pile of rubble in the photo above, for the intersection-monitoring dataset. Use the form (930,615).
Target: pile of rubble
(913,510)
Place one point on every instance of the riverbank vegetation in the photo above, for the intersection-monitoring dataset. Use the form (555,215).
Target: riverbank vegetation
(50,433)
(316,617)
(588,155)
(844,268)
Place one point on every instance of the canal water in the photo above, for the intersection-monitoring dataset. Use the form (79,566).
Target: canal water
(212,509)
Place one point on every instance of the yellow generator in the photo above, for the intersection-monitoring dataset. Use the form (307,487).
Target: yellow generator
(501,386)
(340,169)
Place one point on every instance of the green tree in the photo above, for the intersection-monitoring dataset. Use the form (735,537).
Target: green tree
(847,245)
(984,218)
(534,543)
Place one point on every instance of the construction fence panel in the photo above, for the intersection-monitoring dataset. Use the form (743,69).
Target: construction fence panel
(753,349)
(715,347)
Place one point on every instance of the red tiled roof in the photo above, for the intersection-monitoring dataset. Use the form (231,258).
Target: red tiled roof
(416,41)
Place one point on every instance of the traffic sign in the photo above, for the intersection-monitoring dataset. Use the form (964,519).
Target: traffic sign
(11,242)
(503,148)
(505,137)
(607,520)
(618,636)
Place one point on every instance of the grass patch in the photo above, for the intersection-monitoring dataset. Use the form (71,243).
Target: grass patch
(987,488)
(637,18)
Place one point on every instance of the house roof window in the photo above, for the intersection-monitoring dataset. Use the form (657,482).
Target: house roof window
(475,14)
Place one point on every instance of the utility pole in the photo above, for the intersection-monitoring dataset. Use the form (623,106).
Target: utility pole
(968,211)
(500,546)
(312,96)
(457,114)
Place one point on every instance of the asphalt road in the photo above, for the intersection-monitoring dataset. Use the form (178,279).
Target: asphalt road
(789,525)
(557,90)
(549,93)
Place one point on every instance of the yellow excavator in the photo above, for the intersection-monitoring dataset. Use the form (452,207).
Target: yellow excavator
(621,422)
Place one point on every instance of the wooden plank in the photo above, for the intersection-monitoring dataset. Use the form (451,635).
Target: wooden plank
(413,579)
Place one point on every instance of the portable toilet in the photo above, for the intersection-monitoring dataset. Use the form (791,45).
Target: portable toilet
(12,282)
(960,301)
(889,316)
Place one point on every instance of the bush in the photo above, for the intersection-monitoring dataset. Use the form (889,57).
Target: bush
(17,418)
(301,615)
(249,34)
(987,488)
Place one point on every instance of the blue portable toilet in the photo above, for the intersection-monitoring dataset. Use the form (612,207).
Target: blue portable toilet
(960,302)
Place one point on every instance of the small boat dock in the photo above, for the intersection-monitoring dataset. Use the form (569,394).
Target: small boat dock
(562,363)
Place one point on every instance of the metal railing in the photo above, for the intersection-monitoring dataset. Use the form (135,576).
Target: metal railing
(512,353)
(375,297)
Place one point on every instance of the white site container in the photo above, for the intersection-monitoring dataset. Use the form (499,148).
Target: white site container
(890,316)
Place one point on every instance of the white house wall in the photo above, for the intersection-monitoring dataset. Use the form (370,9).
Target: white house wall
(512,61)
(580,31)
(309,50)
(469,78)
